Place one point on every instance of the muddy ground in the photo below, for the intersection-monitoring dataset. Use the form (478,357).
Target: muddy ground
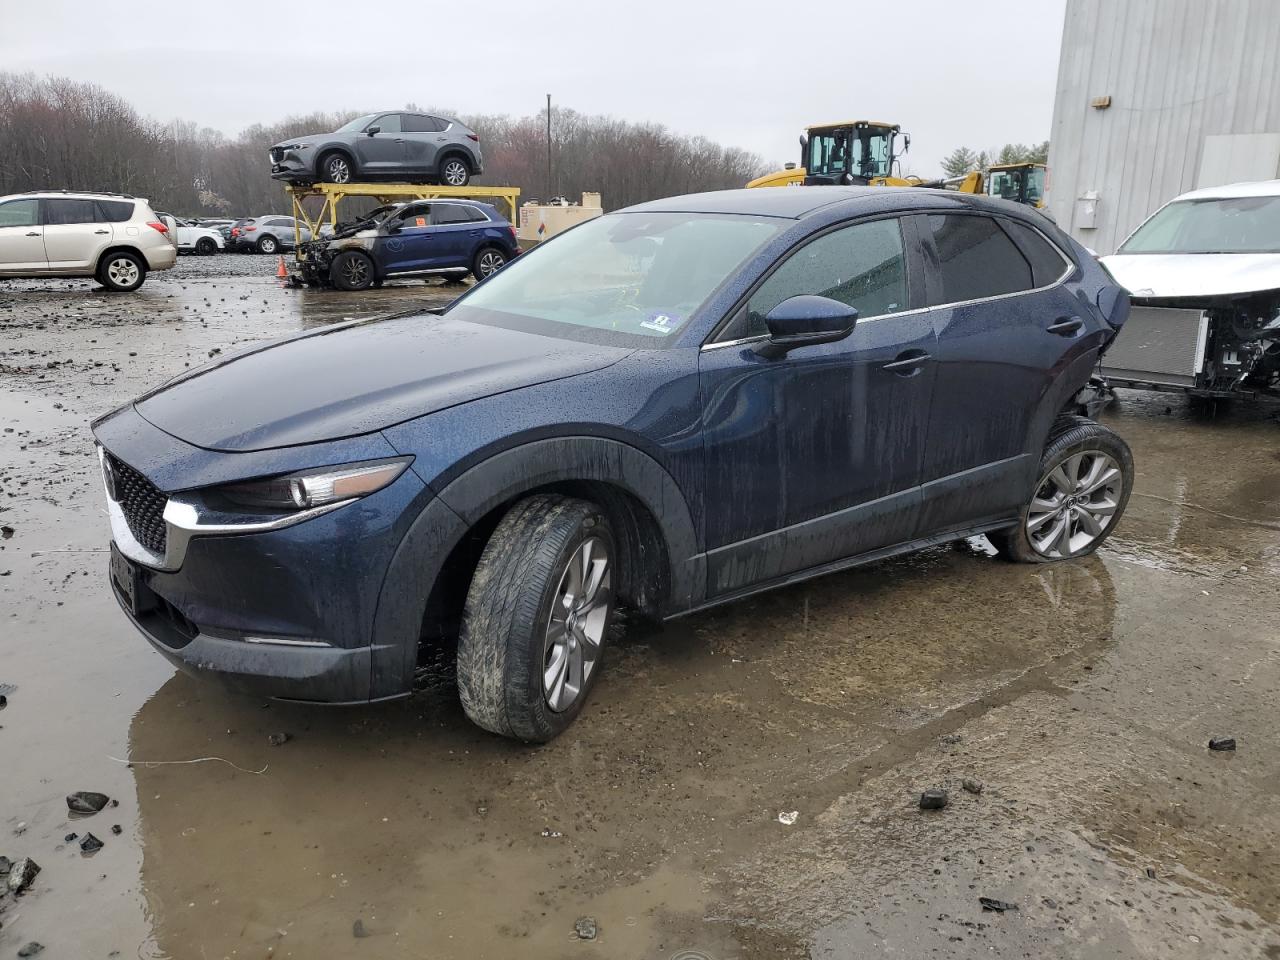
(1082,695)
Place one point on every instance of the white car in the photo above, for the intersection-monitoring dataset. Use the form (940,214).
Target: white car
(1203,275)
(110,236)
(193,238)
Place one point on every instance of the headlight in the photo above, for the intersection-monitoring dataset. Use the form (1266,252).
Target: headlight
(298,146)
(314,488)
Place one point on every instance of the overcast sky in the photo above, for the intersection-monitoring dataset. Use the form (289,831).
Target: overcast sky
(746,74)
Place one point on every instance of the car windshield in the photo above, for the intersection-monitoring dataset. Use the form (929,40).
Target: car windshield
(1226,225)
(359,123)
(629,279)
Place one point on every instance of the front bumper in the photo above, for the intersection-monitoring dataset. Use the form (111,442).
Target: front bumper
(278,671)
(281,610)
(293,166)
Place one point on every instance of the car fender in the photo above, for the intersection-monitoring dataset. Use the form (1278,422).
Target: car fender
(469,496)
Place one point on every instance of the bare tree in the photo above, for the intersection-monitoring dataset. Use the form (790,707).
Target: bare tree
(60,133)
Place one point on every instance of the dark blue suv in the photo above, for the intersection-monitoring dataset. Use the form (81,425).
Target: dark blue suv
(418,238)
(669,407)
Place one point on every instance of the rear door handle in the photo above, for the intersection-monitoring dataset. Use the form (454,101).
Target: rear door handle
(1065,326)
(34,233)
(102,231)
(399,140)
(909,360)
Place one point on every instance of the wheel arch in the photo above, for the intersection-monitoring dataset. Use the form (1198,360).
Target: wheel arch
(661,570)
(328,150)
(120,248)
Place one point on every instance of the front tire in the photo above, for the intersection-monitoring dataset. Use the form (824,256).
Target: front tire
(206,247)
(336,168)
(351,270)
(1085,478)
(454,172)
(536,618)
(122,271)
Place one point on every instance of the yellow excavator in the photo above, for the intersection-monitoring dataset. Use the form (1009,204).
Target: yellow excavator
(866,152)
(1019,182)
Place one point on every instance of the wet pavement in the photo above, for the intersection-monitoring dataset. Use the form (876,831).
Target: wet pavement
(1082,696)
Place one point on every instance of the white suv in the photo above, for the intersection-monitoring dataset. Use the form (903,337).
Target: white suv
(110,236)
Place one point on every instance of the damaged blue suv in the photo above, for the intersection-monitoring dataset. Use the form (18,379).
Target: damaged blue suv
(669,407)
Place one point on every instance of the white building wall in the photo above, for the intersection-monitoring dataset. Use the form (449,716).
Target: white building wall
(1177,72)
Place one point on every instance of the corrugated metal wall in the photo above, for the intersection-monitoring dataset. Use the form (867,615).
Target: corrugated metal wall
(1177,71)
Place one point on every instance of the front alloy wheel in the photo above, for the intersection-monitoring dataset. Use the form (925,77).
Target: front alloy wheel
(337,169)
(537,617)
(575,630)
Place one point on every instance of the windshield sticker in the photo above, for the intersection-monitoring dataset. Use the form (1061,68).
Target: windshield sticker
(662,322)
(420,222)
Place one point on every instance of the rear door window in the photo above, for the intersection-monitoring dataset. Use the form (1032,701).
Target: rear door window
(443,213)
(1048,263)
(976,259)
(59,211)
(863,265)
(20,213)
(114,211)
(416,123)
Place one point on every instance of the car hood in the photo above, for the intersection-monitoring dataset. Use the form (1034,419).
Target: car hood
(1166,276)
(357,378)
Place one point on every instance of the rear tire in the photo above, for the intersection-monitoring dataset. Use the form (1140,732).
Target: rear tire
(205,247)
(537,617)
(487,261)
(122,271)
(454,172)
(1085,478)
(351,270)
(268,244)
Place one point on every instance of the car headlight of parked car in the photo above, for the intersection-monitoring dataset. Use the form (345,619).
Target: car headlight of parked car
(314,488)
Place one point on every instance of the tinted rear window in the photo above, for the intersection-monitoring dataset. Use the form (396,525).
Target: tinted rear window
(114,211)
(414,123)
(1047,262)
(451,213)
(64,210)
(976,259)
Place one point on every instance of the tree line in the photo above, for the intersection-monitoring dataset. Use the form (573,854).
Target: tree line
(962,159)
(57,133)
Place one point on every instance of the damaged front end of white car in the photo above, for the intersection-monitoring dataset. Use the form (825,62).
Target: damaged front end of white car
(1203,274)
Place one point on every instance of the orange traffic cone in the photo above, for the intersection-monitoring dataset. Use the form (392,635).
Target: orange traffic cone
(281,271)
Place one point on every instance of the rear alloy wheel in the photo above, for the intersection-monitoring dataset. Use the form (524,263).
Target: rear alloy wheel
(488,261)
(122,272)
(1086,476)
(455,173)
(205,247)
(268,244)
(336,168)
(351,270)
(536,618)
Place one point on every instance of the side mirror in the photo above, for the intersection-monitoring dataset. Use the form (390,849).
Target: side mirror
(906,142)
(372,130)
(804,321)
(395,226)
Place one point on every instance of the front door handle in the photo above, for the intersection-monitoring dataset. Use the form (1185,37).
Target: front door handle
(910,360)
(399,140)
(34,233)
(1065,326)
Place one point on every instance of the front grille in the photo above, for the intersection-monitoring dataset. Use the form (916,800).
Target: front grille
(276,154)
(142,504)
